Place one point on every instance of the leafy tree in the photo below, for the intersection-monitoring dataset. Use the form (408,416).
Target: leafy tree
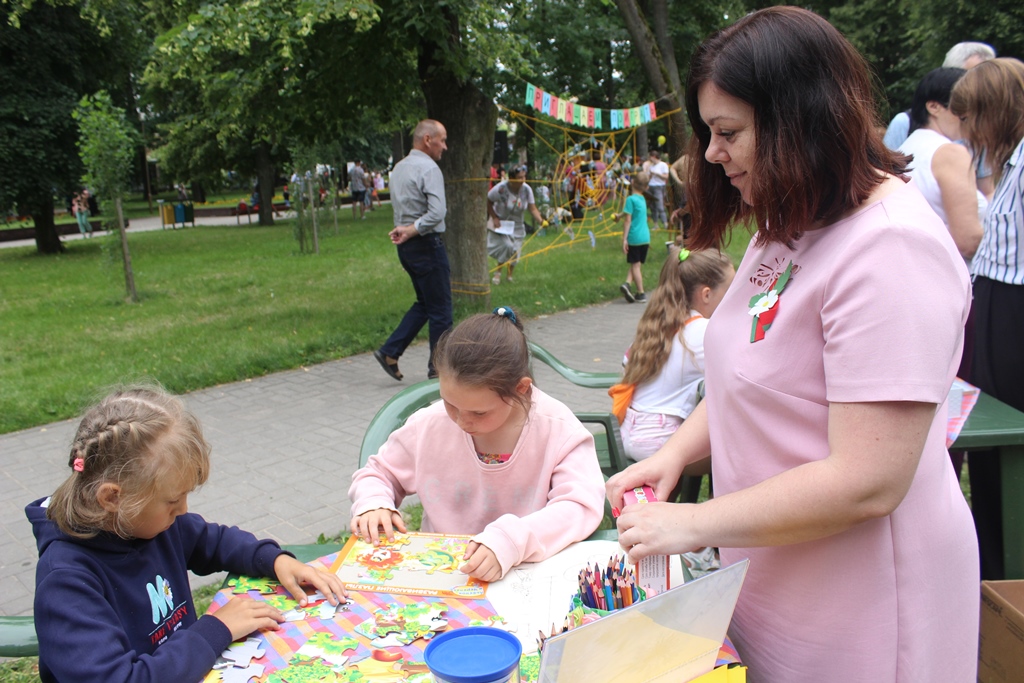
(235,85)
(49,57)
(106,146)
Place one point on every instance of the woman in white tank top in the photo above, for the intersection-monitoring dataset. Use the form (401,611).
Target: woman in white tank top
(943,169)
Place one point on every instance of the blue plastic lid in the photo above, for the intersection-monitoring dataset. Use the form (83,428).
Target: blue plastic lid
(475,654)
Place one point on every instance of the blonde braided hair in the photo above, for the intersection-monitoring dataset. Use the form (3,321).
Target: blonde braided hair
(131,438)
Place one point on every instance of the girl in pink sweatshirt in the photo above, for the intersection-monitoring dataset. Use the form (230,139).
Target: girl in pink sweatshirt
(496,457)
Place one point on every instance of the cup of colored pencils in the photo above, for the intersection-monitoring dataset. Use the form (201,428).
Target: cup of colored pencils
(609,588)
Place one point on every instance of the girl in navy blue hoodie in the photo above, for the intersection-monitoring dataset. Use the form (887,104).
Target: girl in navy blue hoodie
(116,542)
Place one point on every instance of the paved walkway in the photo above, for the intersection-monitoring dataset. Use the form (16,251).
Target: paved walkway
(148,223)
(285,445)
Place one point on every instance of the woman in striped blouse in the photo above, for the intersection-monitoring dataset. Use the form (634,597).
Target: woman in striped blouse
(989,100)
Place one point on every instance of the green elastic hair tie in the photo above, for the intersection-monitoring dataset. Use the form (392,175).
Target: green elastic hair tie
(684,254)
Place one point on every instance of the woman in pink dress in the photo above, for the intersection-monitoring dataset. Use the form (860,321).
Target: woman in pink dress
(828,364)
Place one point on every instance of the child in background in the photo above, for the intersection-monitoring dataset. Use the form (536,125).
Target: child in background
(116,543)
(665,363)
(496,457)
(636,237)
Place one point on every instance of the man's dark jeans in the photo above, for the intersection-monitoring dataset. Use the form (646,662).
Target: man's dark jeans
(426,261)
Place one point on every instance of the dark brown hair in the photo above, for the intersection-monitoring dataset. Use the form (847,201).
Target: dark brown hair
(487,350)
(818,150)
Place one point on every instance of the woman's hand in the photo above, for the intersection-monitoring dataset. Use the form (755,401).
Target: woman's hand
(292,573)
(481,563)
(655,529)
(660,473)
(242,615)
(496,222)
(367,526)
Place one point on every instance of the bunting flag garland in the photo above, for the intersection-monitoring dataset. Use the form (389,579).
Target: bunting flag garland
(576,114)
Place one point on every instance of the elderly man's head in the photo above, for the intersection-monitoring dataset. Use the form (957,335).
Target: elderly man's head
(431,138)
(968,55)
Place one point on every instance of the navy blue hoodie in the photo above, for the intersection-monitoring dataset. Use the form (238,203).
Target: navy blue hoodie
(110,610)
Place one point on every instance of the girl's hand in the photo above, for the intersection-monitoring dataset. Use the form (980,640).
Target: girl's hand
(656,529)
(367,526)
(496,222)
(660,473)
(291,573)
(481,563)
(243,615)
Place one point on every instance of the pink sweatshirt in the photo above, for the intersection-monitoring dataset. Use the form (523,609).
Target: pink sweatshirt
(549,494)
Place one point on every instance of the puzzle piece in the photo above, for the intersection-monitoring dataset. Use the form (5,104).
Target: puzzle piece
(244,584)
(234,674)
(242,654)
(494,621)
(399,639)
(281,602)
(303,669)
(375,671)
(336,661)
(432,561)
(329,648)
(327,611)
(295,615)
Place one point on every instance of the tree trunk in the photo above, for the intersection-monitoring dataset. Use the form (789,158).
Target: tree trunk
(265,182)
(659,63)
(470,118)
(399,148)
(145,177)
(129,275)
(47,240)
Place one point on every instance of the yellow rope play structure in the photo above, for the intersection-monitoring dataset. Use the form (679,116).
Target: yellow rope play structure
(592,172)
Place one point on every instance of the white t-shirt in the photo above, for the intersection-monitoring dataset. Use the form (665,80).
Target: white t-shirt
(673,391)
(658,167)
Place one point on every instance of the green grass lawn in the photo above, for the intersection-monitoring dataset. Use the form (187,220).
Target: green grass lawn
(221,304)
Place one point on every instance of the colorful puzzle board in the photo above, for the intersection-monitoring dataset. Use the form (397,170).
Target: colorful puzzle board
(345,636)
(411,564)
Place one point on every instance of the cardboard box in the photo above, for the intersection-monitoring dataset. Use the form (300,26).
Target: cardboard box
(1001,648)
(652,574)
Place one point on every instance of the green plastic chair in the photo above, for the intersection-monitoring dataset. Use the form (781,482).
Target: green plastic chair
(18,637)
(591,380)
(399,407)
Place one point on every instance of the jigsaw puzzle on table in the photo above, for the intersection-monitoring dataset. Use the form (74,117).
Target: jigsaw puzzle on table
(375,637)
(412,564)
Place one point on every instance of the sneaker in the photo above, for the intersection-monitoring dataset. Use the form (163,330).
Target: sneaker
(496,280)
(509,279)
(627,293)
(641,297)
(389,364)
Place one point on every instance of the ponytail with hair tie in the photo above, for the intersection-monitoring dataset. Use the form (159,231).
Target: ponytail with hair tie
(505,312)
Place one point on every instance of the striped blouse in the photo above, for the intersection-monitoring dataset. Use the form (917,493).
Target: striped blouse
(1000,256)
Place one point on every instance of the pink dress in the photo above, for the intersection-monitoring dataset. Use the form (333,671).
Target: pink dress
(874,311)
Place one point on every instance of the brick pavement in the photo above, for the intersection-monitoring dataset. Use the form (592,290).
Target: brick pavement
(285,445)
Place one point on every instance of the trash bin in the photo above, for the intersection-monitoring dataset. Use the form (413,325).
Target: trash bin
(190,213)
(168,214)
(179,214)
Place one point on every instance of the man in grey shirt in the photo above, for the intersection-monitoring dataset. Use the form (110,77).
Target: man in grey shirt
(357,186)
(417,197)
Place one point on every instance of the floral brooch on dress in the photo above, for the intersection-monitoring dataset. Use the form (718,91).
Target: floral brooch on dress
(764,307)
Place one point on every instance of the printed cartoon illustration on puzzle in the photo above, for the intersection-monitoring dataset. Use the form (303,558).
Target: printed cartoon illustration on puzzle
(412,564)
